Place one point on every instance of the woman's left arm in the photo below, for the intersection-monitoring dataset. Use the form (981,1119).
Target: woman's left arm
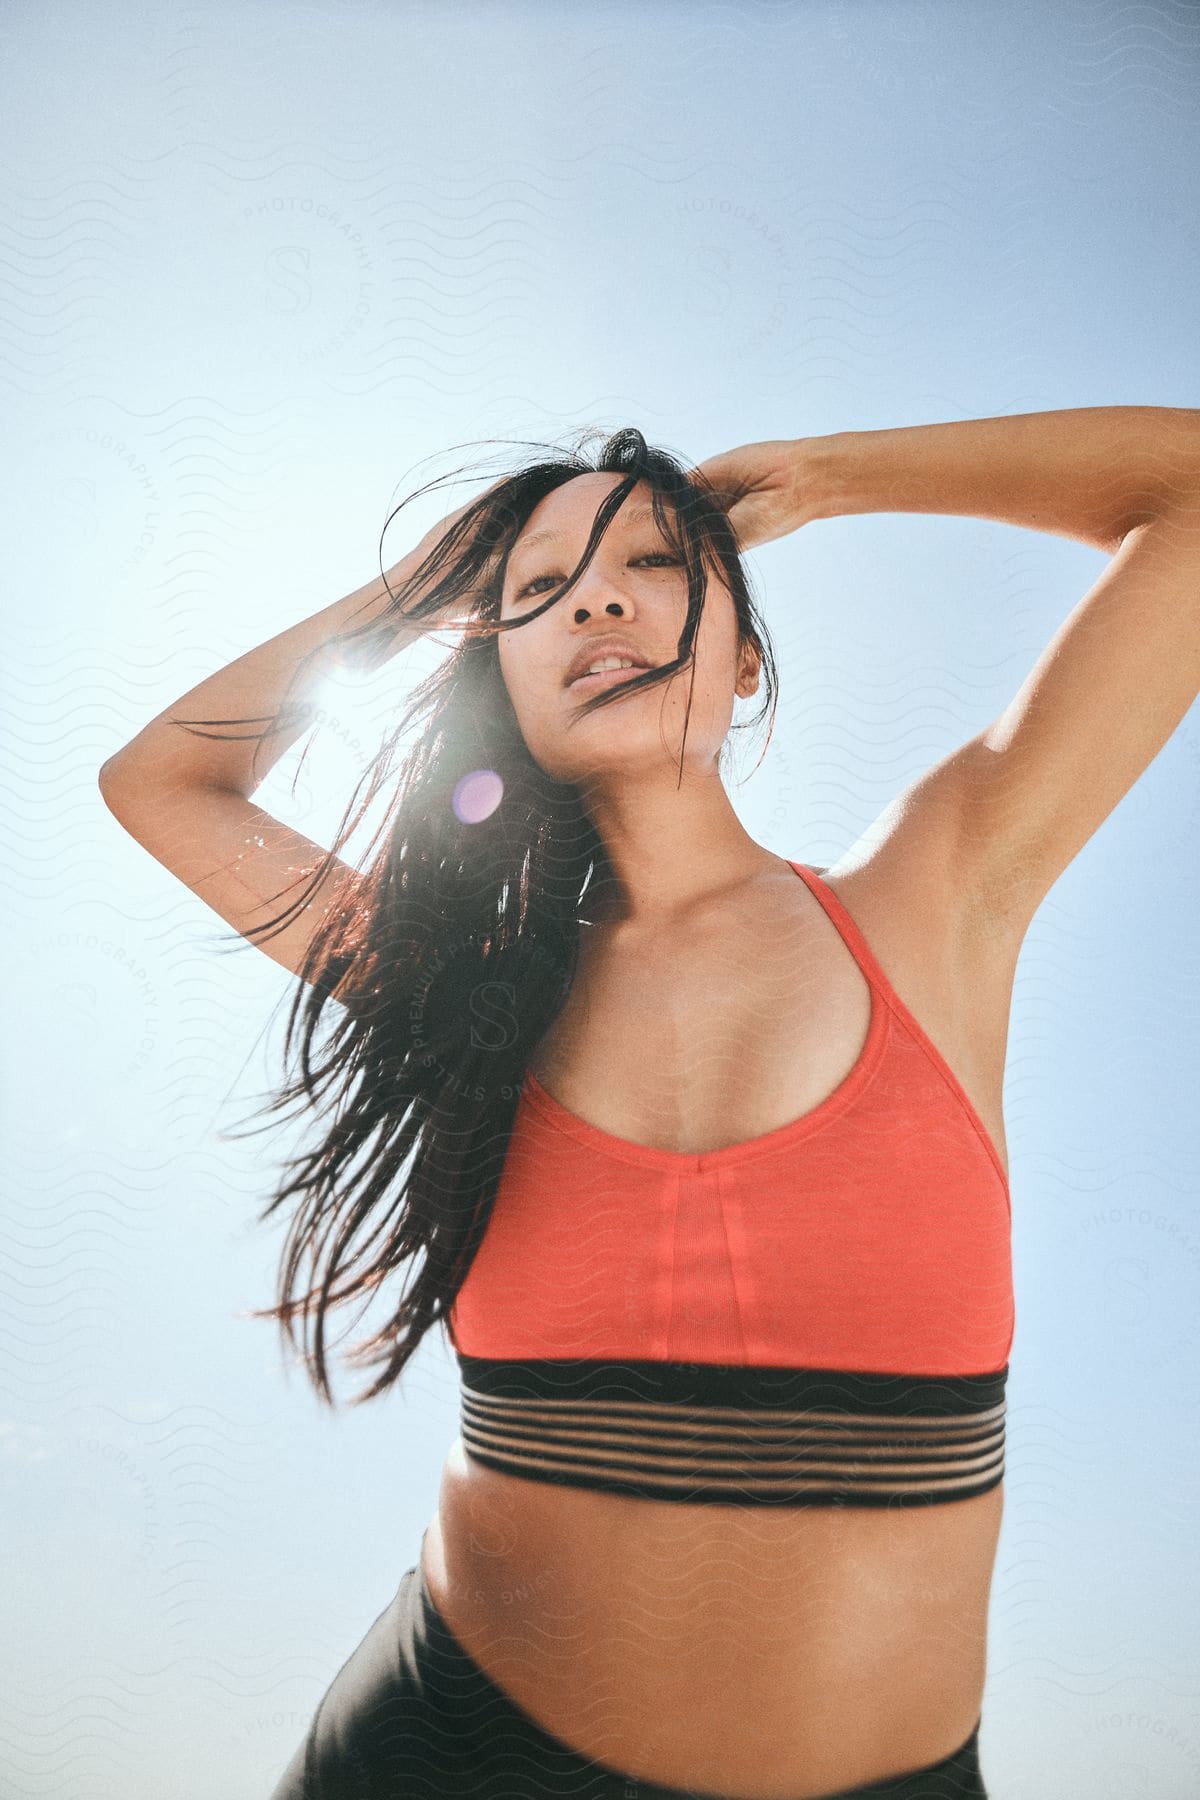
(1090,472)
(1119,674)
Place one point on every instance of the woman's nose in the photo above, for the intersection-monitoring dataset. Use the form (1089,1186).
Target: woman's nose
(613,608)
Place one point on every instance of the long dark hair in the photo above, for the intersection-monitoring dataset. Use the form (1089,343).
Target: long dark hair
(456,950)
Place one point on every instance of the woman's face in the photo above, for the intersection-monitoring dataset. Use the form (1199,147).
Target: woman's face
(635,587)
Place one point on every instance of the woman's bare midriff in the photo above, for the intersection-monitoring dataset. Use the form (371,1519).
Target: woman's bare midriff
(769,1653)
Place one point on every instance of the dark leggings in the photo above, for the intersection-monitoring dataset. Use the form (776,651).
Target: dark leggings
(411,1716)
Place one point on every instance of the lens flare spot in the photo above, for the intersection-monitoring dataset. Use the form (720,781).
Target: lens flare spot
(477,796)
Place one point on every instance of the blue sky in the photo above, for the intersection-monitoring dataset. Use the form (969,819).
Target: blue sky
(269,269)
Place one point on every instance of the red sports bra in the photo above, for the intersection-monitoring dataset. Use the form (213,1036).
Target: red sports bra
(821,1315)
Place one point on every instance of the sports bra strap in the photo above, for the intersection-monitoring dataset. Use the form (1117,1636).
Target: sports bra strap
(853,938)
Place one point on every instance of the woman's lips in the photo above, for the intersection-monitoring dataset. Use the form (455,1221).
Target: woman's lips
(606,678)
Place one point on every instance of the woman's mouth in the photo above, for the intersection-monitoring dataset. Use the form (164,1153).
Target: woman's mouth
(604,678)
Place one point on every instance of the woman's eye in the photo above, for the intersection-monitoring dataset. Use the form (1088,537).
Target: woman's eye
(555,580)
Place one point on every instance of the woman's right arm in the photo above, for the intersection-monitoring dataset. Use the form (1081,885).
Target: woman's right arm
(186,798)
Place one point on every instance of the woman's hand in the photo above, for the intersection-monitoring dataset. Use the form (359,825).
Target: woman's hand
(762,488)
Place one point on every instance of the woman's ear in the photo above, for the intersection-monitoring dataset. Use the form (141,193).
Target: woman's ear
(749,664)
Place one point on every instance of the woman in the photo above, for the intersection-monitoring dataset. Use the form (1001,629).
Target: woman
(701,1149)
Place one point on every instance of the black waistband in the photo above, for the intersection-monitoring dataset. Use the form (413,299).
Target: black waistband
(732,1384)
(745,1436)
